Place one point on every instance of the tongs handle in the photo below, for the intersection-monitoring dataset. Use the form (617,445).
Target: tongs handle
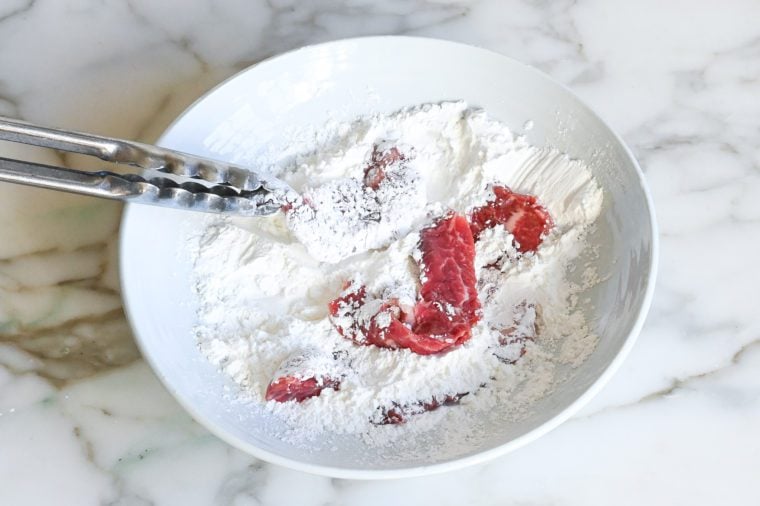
(112,150)
(230,188)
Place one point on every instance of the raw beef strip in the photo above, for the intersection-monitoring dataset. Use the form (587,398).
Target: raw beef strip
(297,380)
(398,414)
(526,219)
(513,338)
(382,157)
(448,303)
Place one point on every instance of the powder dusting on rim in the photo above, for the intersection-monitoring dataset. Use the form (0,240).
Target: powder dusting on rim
(263,294)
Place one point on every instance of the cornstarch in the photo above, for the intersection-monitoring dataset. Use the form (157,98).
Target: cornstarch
(263,285)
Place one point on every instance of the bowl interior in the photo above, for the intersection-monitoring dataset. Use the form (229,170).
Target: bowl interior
(342,80)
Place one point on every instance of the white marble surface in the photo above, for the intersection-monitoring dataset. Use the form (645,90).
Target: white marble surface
(83,420)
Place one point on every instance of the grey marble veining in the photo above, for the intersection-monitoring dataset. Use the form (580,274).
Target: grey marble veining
(84,421)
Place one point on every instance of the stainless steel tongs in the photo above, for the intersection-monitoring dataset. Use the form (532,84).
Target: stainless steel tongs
(197,183)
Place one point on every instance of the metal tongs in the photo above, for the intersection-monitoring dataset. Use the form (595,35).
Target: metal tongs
(196,183)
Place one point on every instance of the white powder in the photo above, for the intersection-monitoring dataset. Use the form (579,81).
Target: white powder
(263,297)
(355,217)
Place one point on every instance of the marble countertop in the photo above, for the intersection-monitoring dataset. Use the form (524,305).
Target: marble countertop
(84,421)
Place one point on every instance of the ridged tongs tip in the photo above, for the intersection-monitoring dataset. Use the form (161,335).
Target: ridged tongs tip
(191,182)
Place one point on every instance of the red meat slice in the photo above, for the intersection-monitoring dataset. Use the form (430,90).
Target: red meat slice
(374,174)
(513,338)
(400,413)
(290,383)
(289,388)
(448,304)
(526,219)
(343,311)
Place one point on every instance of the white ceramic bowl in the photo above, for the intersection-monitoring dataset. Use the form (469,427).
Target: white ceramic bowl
(345,79)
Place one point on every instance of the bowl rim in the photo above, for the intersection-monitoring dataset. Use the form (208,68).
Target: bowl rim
(459,463)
